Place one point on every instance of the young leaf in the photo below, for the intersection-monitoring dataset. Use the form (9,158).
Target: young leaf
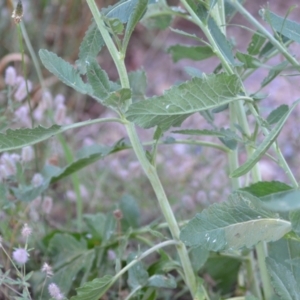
(95,289)
(63,71)
(190,52)
(249,61)
(89,47)
(134,18)
(240,222)
(283,26)
(264,146)
(19,138)
(283,280)
(256,43)
(118,99)
(98,79)
(181,101)
(274,72)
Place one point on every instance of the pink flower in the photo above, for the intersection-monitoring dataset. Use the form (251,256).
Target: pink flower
(55,292)
(20,256)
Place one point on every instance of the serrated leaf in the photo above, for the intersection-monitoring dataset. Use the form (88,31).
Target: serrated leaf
(240,222)
(138,85)
(264,188)
(277,114)
(71,257)
(183,100)
(256,43)
(19,138)
(134,18)
(264,146)
(285,27)
(93,290)
(98,79)
(283,280)
(197,53)
(63,71)
(274,72)
(222,42)
(161,281)
(89,47)
(249,61)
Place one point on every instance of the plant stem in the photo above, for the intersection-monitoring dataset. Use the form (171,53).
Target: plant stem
(148,168)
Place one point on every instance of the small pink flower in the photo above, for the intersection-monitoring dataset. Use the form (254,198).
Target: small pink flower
(27,154)
(26,231)
(10,76)
(55,292)
(20,256)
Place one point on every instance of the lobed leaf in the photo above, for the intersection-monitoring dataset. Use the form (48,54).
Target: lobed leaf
(183,100)
(264,146)
(240,222)
(63,71)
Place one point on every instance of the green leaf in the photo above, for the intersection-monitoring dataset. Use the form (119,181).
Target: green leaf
(181,101)
(98,79)
(137,274)
(283,26)
(283,280)
(131,212)
(190,52)
(277,114)
(89,47)
(63,71)
(138,85)
(256,43)
(134,18)
(115,26)
(158,16)
(118,99)
(122,10)
(95,289)
(161,281)
(87,156)
(224,271)
(264,146)
(249,61)
(71,257)
(19,138)
(222,42)
(199,256)
(240,222)
(264,188)
(295,218)
(274,72)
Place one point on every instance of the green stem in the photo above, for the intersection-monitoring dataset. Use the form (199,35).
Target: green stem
(149,169)
(266,33)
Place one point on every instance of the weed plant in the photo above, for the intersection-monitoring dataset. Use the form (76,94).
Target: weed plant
(60,236)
